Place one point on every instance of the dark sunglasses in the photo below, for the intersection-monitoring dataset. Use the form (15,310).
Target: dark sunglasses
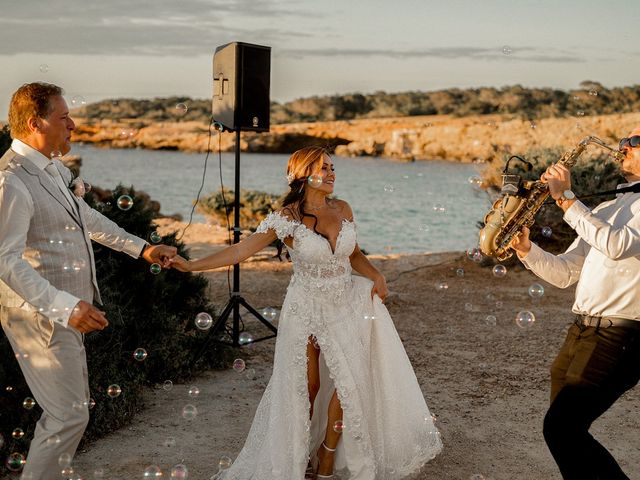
(631,142)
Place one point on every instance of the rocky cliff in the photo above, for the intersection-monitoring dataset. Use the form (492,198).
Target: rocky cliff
(466,139)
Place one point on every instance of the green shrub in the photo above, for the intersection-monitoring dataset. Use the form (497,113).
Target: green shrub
(254,207)
(589,175)
(154,312)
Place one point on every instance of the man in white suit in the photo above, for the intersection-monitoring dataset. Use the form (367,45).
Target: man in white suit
(47,271)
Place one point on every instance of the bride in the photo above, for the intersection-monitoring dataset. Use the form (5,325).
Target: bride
(343,396)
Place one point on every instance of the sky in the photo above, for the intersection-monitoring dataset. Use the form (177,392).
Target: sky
(157,48)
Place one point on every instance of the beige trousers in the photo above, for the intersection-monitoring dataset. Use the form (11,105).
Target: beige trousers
(53,362)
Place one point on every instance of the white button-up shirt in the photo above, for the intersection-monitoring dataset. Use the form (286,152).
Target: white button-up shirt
(16,210)
(604,260)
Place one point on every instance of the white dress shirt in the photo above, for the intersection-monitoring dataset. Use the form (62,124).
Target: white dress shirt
(16,210)
(604,259)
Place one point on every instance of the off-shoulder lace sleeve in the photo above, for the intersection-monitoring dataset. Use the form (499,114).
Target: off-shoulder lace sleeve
(279,223)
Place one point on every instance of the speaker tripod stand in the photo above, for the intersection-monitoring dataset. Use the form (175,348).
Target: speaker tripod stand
(235,300)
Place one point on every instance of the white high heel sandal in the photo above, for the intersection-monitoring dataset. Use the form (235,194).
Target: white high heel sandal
(317,475)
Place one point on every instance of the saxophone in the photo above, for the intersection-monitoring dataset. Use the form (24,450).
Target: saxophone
(520,201)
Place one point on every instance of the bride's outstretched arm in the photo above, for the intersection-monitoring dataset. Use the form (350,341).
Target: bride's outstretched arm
(229,256)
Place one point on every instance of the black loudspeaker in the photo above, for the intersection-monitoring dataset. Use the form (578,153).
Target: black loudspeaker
(241,77)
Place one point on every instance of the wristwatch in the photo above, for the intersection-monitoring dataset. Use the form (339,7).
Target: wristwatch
(566,195)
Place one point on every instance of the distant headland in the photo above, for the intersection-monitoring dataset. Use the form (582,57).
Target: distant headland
(463,125)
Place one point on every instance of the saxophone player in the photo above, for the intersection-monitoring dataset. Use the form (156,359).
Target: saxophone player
(600,358)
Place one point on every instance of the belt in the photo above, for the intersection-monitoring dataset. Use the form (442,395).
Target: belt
(606,322)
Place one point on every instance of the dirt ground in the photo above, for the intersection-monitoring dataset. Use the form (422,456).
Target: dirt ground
(487,384)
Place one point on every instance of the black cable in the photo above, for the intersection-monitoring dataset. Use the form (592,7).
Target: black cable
(204,174)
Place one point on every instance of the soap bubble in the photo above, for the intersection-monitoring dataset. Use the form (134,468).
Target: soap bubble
(442,286)
(167,385)
(179,472)
(194,391)
(269,313)
(126,133)
(536,290)
(499,271)
(460,272)
(125,202)
(507,50)
(181,109)
(56,155)
(439,208)
(475,181)
(525,319)
(139,354)
(152,471)
(189,412)
(52,440)
(314,181)
(203,321)
(155,268)
(114,390)
(78,101)
(593,93)
(44,68)
(98,473)
(155,237)
(17,433)
(338,426)
(15,462)
(490,320)
(250,373)
(64,460)
(580,113)
(245,338)
(389,188)
(28,403)
(474,254)
(547,232)
(67,473)
(224,462)
(239,365)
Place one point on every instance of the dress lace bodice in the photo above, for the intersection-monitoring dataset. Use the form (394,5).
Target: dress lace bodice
(316,268)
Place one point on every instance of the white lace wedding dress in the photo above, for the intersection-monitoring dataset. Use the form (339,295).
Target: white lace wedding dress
(388,430)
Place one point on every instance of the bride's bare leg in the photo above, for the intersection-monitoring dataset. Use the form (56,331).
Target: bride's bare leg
(331,437)
(313,372)
(313,375)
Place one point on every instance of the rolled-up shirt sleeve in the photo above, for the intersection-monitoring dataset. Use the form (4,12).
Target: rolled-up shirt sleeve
(16,210)
(109,234)
(561,270)
(616,243)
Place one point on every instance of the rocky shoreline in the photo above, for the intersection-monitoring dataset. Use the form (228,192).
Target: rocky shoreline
(437,137)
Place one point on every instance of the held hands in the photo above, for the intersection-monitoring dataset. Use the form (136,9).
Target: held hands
(180,263)
(521,243)
(161,254)
(380,287)
(86,318)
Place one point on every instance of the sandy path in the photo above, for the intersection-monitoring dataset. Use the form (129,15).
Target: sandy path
(487,385)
